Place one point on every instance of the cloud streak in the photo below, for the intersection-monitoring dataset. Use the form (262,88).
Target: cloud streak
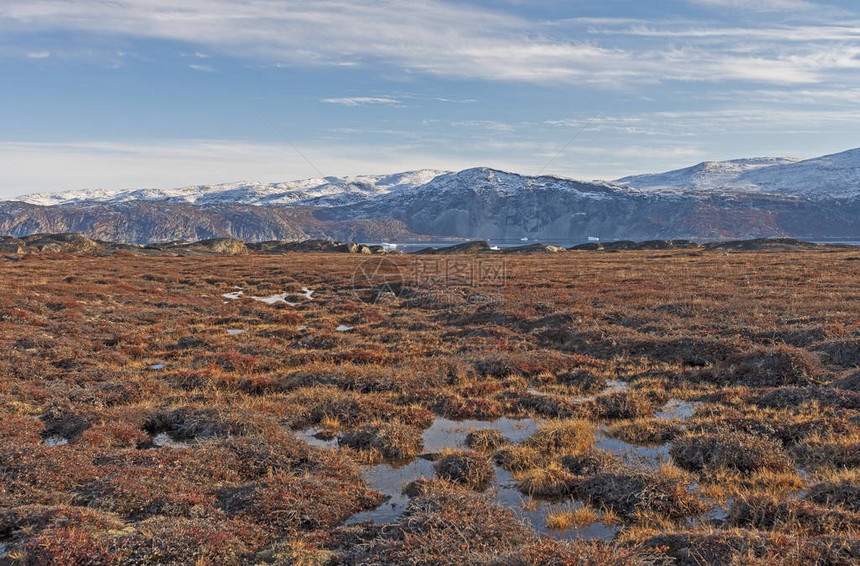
(363,101)
(435,38)
(760,5)
(44,166)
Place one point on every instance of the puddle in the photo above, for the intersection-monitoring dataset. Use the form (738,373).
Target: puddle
(718,513)
(535,512)
(163,440)
(233,296)
(156,366)
(56,441)
(806,477)
(236,331)
(616,385)
(443,433)
(343,328)
(612,386)
(677,409)
(391,481)
(316,437)
(301,328)
(648,456)
(446,433)
(308,294)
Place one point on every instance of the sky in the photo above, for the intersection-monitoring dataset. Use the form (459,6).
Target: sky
(109,94)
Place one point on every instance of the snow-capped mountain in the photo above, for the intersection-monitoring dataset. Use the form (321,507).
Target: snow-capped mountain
(329,191)
(834,176)
(831,176)
(487,203)
(486,181)
(810,199)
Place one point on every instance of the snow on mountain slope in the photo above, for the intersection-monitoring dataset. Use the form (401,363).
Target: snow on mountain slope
(492,182)
(329,191)
(706,176)
(831,176)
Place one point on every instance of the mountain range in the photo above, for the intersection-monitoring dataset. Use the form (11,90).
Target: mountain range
(747,198)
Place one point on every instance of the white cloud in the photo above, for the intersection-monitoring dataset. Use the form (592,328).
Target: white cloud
(43,54)
(363,101)
(455,101)
(779,35)
(432,36)
(41,167)
(204,68)
(761,5)
(738,120)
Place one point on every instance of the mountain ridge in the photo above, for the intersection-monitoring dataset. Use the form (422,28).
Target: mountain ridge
(830,176)
(298,192)
(816,198)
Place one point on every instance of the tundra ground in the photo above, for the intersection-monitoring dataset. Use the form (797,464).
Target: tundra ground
(630,408)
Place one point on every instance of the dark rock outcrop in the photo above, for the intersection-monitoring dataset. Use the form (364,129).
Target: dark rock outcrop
(464,248)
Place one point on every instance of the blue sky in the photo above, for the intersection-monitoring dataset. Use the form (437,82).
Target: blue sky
(167,93)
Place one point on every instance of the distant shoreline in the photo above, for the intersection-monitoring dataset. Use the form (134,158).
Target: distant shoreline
(78,243)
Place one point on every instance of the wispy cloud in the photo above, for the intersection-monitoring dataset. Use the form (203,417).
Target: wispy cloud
(689,124)
(41,54)
(203,68)
(432,37)
(761,5)
(37,167)
(774,34)
(456,101)
(363,101)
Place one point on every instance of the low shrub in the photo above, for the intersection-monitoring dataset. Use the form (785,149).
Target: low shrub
(841,494)
(570,436)
(390,440)
(486,439)
(471,469)
(539,404)
(737,450)
(549,482)
(635,493)
(626,405)
(288,504)
(584,381)
(843,353)
(443,526)
(590,463)
(647,432)
(774,366)
(776,514)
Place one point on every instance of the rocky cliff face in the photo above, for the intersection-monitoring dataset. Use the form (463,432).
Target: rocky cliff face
(140,222)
